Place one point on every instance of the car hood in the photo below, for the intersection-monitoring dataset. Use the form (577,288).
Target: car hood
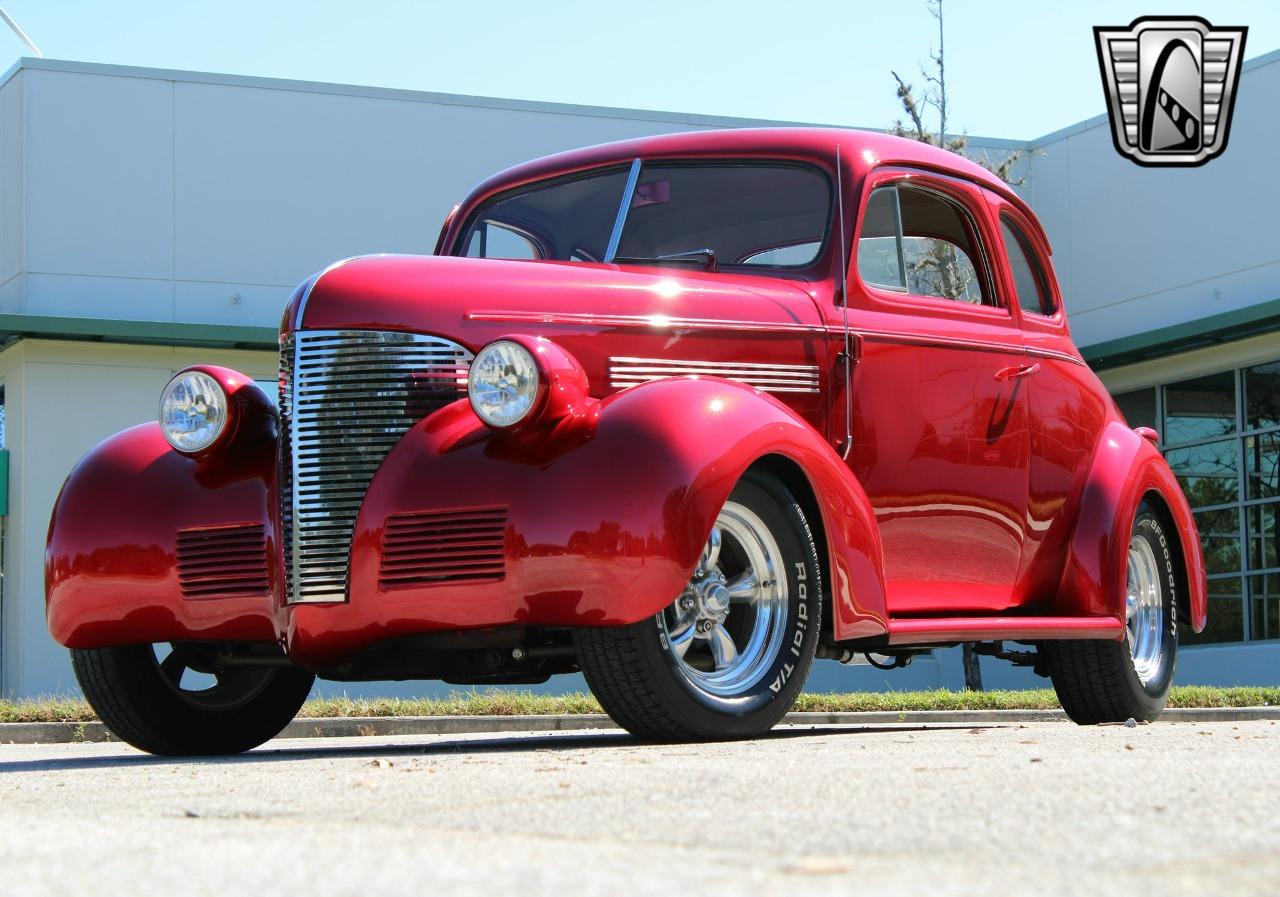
(474,300)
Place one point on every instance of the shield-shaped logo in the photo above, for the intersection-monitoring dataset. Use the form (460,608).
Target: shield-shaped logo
(1170,85)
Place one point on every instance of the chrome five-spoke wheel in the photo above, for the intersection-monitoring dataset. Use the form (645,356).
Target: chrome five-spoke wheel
(1144,610)
(731,619)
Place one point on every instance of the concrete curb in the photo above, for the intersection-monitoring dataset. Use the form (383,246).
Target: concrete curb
(349,726)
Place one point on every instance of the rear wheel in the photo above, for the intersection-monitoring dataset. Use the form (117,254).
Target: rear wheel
(174,700)
(727,658)
(1103,681)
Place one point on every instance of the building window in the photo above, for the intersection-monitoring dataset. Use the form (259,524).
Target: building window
(1221,435)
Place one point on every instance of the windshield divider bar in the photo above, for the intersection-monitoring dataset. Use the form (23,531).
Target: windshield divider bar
(618,222)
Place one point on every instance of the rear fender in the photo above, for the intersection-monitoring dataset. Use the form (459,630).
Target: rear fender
(606,515)
(1126,468)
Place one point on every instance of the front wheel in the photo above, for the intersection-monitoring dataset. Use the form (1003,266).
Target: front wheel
(729,656)
(1110,682)
(178,700)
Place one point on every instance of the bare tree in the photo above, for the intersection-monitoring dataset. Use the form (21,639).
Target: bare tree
(939,266)
(934,96)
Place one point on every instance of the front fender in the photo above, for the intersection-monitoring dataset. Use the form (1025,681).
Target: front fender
(111,561)
(605,516)
(1125,468)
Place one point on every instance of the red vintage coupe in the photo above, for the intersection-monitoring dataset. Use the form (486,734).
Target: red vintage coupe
(682,413)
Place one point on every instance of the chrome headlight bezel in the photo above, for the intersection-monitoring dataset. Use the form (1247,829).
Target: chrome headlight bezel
(505,384)
(193,395)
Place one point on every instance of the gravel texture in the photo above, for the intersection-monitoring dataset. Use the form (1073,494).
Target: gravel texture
(1046,808)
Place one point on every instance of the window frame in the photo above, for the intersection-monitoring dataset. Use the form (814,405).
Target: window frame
(966,197)
(1032,321)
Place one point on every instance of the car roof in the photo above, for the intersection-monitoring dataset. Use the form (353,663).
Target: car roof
(864,150)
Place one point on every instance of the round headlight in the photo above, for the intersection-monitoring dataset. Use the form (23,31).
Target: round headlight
(503,383)
(193,411)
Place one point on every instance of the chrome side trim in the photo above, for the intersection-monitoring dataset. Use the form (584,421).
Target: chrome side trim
(346,398)
(627,371)
(654,322)
(946,342)
(615,237)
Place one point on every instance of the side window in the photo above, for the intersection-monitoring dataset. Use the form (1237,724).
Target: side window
(920,242)
(1028,278)
(880,242)
(490,240)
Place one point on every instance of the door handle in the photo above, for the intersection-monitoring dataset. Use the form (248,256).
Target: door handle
(1014,373)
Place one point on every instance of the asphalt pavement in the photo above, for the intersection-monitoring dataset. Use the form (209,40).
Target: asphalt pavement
(1017,808)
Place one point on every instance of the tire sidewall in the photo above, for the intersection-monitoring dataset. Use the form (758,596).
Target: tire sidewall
(177,725)
(766,701)
(1147,525)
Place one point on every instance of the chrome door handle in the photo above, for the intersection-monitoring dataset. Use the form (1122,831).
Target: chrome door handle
(1015,372)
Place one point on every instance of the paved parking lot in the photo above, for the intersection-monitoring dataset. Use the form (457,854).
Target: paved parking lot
(1173,808)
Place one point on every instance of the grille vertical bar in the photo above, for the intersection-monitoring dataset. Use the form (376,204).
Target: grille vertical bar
(346,398)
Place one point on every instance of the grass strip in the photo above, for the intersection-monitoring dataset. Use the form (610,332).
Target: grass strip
(523,703)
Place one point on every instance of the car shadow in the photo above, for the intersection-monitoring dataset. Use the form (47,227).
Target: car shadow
(282,751)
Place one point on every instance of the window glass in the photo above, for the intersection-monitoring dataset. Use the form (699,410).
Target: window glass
(1209,474)
(1201,408)
(1226,615)
(1262,396)
(938,248)
(560,218)
(1264,536)
(739,211)
(1262,461)
(879,245)
(1220,539)
(1028,280)
(1264,606)
(493,241)
(799,254)
(1228,481)
(1139,407)
(922,242)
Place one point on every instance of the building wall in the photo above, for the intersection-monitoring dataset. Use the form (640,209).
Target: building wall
(180,197)
(1138,248)
(61,399)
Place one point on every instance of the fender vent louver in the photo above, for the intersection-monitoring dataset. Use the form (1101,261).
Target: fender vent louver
(444,547)
(223,561)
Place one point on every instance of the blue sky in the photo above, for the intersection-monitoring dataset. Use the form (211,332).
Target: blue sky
(1017,68)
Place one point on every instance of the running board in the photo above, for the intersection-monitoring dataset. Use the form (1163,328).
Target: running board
(941,630)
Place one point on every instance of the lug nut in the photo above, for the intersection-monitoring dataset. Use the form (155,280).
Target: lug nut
(518,654)
(705,626)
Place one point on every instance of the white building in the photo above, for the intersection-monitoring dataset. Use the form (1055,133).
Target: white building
(151,219)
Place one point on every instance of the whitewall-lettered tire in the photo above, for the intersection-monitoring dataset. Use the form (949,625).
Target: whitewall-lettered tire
(729,656)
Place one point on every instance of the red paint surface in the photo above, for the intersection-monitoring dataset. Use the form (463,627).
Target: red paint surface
(989,492)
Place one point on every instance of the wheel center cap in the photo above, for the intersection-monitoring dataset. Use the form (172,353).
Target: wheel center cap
(715,599)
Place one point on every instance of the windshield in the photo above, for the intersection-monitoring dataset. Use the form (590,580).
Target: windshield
(752,214)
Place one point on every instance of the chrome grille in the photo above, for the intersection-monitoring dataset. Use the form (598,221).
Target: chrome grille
(346,398)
